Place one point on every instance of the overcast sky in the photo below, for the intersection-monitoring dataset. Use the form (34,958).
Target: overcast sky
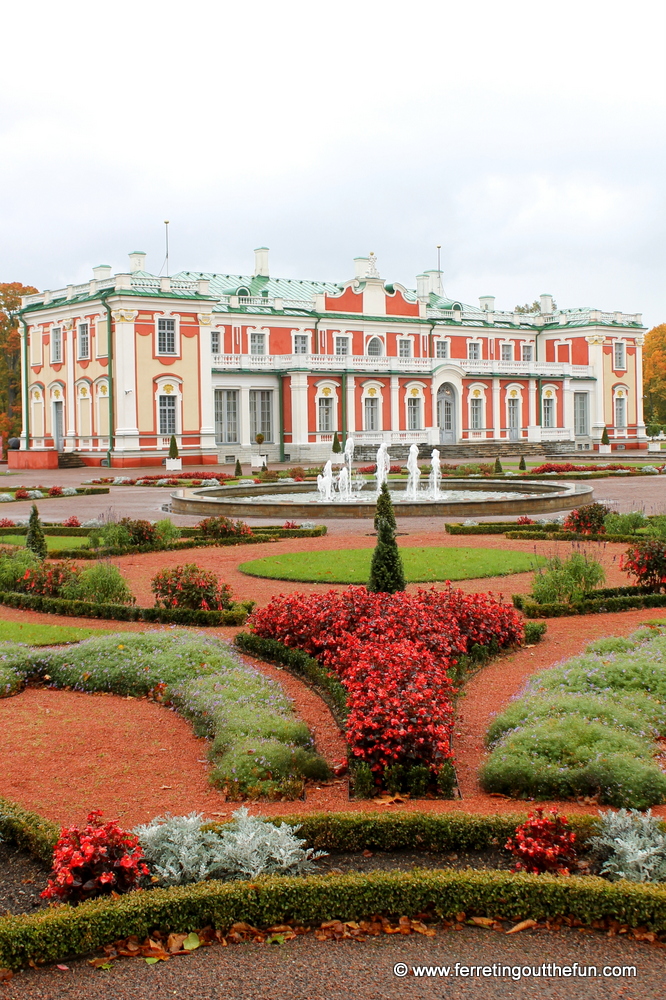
(526,137)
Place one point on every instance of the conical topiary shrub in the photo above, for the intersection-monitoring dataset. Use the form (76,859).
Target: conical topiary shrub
(336,447)
(386,570)
(173,447)
(384,508)
(522,465)
(238,471)
(34,540)
(604,437)
(498,465)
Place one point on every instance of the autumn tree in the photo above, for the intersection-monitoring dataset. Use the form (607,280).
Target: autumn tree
(654,374)
(10,357)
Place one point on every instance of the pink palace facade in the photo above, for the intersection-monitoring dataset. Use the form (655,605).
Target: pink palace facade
(114,366)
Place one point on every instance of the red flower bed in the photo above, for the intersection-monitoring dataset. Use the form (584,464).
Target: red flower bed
(588,519)
(569,467)
(543,844)
(72,522)
(646,562)
(190,586)
(369,470)
(393,653)
(21,495)
(55,491)
(95,861)
(6,522)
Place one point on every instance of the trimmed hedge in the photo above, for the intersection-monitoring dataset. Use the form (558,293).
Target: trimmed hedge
(63,931)
(126,613)
(304,667)
(49,529)
(28,830)
(500,528)
(599,601)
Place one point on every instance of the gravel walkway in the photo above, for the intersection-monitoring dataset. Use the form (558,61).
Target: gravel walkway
(305,969)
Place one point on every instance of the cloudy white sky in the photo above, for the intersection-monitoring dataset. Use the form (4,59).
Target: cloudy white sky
(527,138)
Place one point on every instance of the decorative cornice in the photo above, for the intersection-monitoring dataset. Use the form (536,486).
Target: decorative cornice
(124,315)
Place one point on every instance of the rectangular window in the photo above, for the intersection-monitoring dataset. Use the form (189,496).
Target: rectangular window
(619,357)
(620,413)
(442,349)
(84,341)
(473,351)
(405,348)
(215,341)
(548,411)
(581,422)
(371,413)
(507,352)
(167,410)
(325,415)
(476,414)
(226,416)
(56,345)
(413,413)
(300,343)
(166,336)
(342,345)
(528,352)
(261,413)
(257,344)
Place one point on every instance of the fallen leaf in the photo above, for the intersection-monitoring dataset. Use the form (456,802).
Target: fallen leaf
(482,921)
(101,963)
(524,925)
(162,787)
(5,975)
(175,942)
(191,942)
(151,961)
(63,968)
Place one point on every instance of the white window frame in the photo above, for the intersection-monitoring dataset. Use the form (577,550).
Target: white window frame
(300,342)
(518,389)
(256,417)
(176,336)
(405,347)
(527,349)
(481,398)
(474,347)
(410,395)
(176,394)
(620,395)
(221,404)
(56,342)
(619,345)
(369,340)
(507,347)
(378,397)
(326,415)
(216,341)
(264,333)
(80,355)
(341,340)
(578,432)
(443,344)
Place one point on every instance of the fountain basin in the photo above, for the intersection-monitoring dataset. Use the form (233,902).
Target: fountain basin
(475,498)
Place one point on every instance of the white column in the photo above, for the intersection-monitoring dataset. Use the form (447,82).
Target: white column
(245,416)
(70,398)
(640,419)
(598,416)
(497,416)
(395,407)
(124,380)
(299,408)
(533,430)
(568,406)
(206,394)
(351,404)
(26,402)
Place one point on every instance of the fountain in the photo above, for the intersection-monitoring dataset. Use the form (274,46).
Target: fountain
(347,495)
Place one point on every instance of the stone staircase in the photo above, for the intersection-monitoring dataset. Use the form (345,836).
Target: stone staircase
(70,460)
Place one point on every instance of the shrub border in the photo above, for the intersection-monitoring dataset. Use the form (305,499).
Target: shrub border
(599,602)
(87,492)
(126,613)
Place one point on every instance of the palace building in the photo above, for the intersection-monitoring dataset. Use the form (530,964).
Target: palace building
(113,367)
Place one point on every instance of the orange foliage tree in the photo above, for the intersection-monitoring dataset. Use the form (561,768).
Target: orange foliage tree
(10,357)
(654,374)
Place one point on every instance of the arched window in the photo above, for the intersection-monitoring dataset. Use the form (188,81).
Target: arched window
(243,292)
(375,348)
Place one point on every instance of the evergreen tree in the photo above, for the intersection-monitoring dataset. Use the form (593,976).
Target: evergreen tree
(498,465)
(385,508)
(238,471)
(173,447)
(523,464)
(34,540)
(604,437)
(386,571)
(337,447)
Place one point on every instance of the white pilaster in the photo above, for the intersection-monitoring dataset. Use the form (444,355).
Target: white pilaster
(640,419)
(245,415)
(533,431)
(124,380)
(568,405)
(497,417)
(206,394)
(299,408)
(70,398)
(351,404)
(395,403)
(598,416)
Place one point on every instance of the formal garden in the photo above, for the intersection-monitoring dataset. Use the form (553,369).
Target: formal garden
(390,708)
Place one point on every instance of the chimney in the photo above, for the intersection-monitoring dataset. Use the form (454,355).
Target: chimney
(361,268)
(261,262)
(137,261)
(435,279)
(102,272)
(487,303)
(422,287)
(546,304)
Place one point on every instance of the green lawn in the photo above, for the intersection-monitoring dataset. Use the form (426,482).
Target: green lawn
(421,565)
(45,635)
(54,542)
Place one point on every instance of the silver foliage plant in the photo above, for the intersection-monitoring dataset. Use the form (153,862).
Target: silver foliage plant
(631,845)
(178,851)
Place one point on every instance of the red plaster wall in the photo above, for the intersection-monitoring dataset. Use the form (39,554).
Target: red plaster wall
(349,301)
